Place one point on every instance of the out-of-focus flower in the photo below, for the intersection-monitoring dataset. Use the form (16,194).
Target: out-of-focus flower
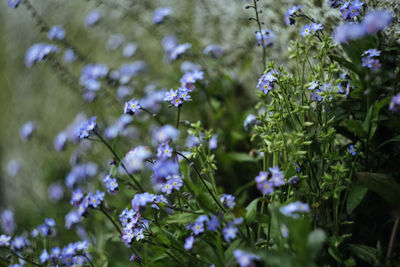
(4,240)
(189,242)
(214,51)
(27,130)
(13,167)
(56,33)
(39,52)
(160,14)
(134,159)
(115,41)
(228,201)
(244,259)
(265,38)
(55,192)
(229,232)
(69,55)
(60,141)
(293,209)
(13,3)
(395,103)
(93,17)
(91,74)
(291,14)
(87,127)
(7,221)
(129,50)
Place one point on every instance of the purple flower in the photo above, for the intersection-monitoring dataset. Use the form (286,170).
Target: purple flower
(250,120)
(115,41)
(291,13)
(91,74)
(316,27)
(27,130)
(293,180)
(189,79)
(228,201)
(93,17)
(20,242)
(292,209)
(164,151)
(71,219)
(214,51)
(160,14)
(349,31)
(229,232)
(13,3)
(76,196)
(4,240)
(266,81)
(38,52)
(244,259)
(372,53)
(56,33)
(178,50)
(87,127)
(351,9)
(189,242)
(131,106)
(95,200)
(44,256)
(395,102)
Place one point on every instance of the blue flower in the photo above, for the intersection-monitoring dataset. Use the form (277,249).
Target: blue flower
(91,74)
(38,52)
(50,222)
(141,200)
(213,223)
(7,221)
(292,209)
(134,159)
(189,242)
(265,38)
(93,17)
(111,184)
(164,151)
(244,259)
(165,133)
(56,33)
(377,20)
(131,106)
(27,130)
(229,232)
(306,30)
(266,187)
(276,176)
(87,128)
(44,256)
(60,141)
(353,150)
(316,27)
(13,3)
(115,41)
(395,103)
(214,51)
(266,81)
(69,55)
(293,180)
(334,3)
(197,228)
(160,14)
(213,143)
(228,201)
(129,50)
(291,13)
(4,240)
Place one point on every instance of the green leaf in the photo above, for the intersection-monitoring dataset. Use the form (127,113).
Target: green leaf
(251,211)
(381,184)
(181,218)
(396,139)
(365,253)
(355,127)
(356,195)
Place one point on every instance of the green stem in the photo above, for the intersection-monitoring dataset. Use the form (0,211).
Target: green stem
(202,180)
(178,118)
(120,161)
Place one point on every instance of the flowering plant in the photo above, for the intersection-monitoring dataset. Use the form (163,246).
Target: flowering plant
(222,169)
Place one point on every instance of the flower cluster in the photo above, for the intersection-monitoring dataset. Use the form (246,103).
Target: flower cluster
(56,33)
(134,159)
(311,29)
(351,9)
(395,103)
(74,254)
(133,226)
(268,181)
(160,14)
(244,259)
(87,127)
(91,200)
(131,107)
(228,201)
(369,60)
(267,81)
(46,229)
